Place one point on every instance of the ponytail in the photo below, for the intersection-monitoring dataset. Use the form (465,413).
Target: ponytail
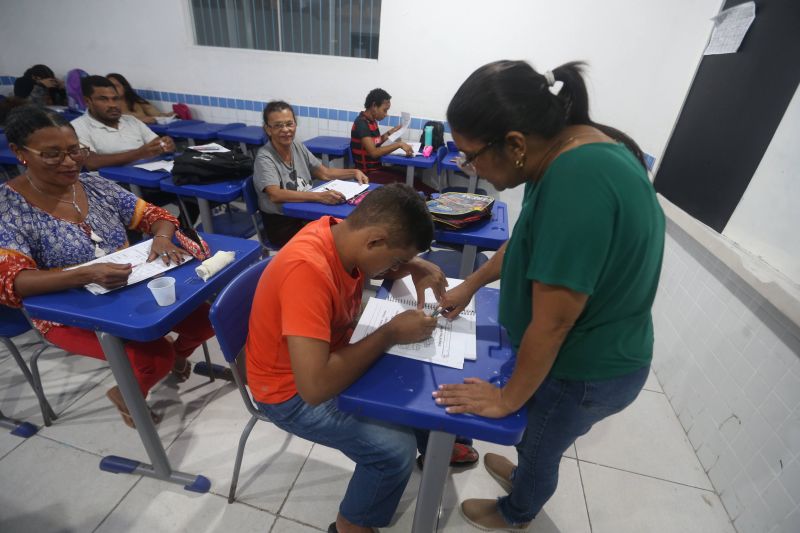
(511,96)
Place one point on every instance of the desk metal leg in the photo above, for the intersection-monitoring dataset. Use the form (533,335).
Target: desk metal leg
(326,160)
(114,350)
(205,215)
(473,184)
(135,189)
(410,176)
(468,254)
(431,487)
(243,147)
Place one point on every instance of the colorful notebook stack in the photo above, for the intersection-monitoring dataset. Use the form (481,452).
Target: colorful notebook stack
(456,210)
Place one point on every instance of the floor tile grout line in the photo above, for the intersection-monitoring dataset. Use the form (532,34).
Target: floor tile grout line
(20,443)
(583,490)
(114,508)
(294,481)
(650,476)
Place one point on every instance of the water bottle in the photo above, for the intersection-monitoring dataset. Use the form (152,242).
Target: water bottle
(428,136)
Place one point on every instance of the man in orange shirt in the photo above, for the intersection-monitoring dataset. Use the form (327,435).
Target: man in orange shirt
(298,352)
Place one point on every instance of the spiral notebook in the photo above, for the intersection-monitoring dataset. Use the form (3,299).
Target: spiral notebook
(451,342)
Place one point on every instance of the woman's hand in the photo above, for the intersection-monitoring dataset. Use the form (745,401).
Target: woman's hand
(166,250)
(361,177)
(474,396)
(426,275)
(330,197)
(455,300)
(109,275)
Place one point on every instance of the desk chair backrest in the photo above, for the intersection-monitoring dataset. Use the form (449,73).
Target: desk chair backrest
(230,317)
(441,154)
(251,204)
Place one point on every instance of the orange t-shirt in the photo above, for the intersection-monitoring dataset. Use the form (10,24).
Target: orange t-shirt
(305,292)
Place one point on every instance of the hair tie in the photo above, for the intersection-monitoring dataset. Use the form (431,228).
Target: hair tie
(551,80)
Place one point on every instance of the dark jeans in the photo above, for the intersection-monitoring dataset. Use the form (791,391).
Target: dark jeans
(560,412)
(281,228)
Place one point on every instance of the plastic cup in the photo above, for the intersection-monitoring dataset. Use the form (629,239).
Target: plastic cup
(163,290)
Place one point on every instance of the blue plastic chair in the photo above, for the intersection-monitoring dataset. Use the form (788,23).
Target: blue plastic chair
(251,205)
(12,323)
(230,317)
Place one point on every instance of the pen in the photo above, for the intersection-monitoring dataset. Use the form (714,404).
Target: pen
(436,312)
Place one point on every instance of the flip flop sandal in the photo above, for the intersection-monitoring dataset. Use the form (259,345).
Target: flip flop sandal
(181,370)
(463,455)
(126,415)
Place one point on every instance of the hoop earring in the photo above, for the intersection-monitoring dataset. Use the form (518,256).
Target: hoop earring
(519,163)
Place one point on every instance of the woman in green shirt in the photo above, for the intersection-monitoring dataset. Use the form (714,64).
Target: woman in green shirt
(578,275)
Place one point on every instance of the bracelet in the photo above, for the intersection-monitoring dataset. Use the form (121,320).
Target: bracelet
(165,236)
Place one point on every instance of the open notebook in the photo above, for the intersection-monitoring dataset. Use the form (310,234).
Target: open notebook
(349,189)
(452,341)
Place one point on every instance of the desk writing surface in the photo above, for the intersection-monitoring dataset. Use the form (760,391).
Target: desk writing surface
(315,210)
(490,233)
(132,312)
(204,130)
(419,161)
(254,135)
(163,129)
(134,176)
(326,144)
(398,390)
(221,191)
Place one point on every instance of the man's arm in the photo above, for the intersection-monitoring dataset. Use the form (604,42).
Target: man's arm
(321,374)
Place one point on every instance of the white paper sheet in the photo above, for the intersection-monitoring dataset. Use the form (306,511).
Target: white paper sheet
(137,256)
(157,165)
(349,189)
(405,120)
(730,27)
(447,346)
(414,146)
(209,148)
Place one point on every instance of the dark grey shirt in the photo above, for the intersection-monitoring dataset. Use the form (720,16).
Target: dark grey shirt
(269,169)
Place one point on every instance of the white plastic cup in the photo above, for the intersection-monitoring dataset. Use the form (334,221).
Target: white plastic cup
(163,290)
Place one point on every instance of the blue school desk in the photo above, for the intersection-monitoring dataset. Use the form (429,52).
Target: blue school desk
(230,223)
(163,129)
(3,140)
(489,234)
(135,177)
(328,146)
(205,131)
(132,313)
(250,138)
(417,161)
(398,390)
(7,157)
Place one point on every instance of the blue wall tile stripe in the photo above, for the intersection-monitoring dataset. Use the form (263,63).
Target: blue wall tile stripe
(344,115)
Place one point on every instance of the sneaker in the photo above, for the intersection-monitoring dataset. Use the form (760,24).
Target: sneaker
(500,469)
(483,514)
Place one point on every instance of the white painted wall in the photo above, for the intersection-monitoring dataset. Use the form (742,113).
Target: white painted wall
(642,53)
(767,219)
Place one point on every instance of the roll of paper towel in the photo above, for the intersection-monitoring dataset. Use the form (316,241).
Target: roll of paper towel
(214,264)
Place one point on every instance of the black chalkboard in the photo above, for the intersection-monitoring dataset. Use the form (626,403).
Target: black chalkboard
(733,108)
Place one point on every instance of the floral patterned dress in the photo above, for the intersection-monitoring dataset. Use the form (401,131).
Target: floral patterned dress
(31,238)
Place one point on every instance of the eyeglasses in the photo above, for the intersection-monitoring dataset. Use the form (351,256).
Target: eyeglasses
(56,157)
(467,162)
(280,125)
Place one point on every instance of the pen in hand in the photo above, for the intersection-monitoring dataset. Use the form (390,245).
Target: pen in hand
(436,312)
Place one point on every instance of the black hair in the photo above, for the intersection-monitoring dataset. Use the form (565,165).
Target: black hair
(90,82)
(24,121)
(128,94)
(40,71)
(376,97)
(511,96)
(23,87)
(276,105)
(402,209)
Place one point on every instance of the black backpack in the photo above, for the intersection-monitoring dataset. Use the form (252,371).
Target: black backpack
(197,168)
(437,139)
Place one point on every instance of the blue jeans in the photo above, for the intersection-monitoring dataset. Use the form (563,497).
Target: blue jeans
(384,454)
(558,413)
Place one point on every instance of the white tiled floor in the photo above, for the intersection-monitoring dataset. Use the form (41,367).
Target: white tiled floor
(634,472)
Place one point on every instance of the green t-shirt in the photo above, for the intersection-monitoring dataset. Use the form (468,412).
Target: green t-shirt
(592,223)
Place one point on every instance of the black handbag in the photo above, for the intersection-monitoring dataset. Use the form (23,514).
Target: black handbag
(197,168)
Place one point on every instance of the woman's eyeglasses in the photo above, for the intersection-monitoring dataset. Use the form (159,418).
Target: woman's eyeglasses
(56,157)
(280,125)
(467,162)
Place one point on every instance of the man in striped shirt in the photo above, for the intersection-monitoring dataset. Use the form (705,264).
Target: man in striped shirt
(366,140)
